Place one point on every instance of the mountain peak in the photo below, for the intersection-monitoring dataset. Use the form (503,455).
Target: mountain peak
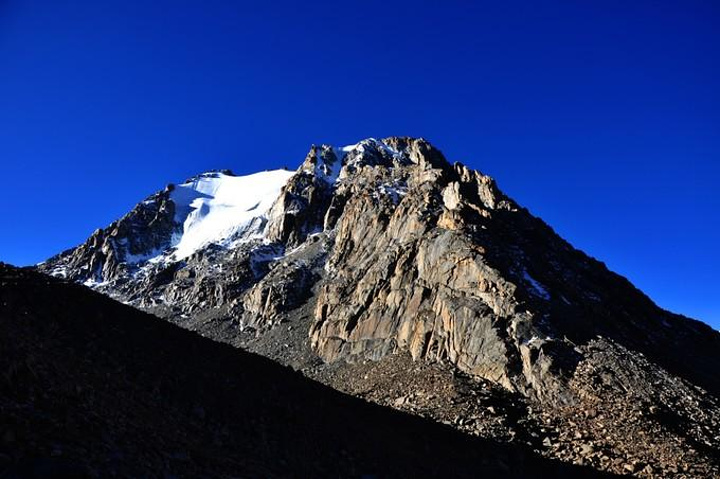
(331,163)
(405,235)
(383,248)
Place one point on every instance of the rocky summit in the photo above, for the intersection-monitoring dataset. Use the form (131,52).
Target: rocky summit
(387,272)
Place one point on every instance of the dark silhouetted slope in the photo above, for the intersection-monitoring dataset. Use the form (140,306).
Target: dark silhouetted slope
(91,387)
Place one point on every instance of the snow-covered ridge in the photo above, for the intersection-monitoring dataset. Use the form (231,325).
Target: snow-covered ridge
(214,208)
(331,160)
(221,209)
(217,208)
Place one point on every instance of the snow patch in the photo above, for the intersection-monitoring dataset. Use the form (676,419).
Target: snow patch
(332,171)
(94,283)
(59,271)
(367,144)
(395,191)
(262,256)
(132,259)
(536,288)
(328,165)
(222,209)
(537,339)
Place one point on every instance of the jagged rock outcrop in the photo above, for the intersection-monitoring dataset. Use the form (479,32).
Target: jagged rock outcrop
(300,209)
(385,248)
(109,252)
(282,290)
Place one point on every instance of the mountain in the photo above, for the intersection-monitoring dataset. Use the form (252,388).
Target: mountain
(383,259)
(213,208)
(93,388)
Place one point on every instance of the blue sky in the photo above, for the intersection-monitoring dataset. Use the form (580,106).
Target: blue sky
(603,119)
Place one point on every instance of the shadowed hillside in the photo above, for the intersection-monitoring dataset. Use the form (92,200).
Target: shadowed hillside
(89,387)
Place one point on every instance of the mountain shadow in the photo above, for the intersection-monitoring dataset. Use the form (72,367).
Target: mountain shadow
(92,388)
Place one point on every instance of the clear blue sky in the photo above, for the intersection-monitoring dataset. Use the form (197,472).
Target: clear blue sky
(603,119)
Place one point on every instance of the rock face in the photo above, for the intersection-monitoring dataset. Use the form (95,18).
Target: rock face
(385,248)
(109,252)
